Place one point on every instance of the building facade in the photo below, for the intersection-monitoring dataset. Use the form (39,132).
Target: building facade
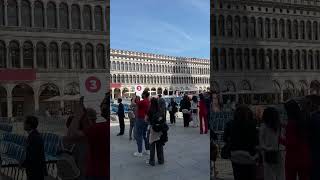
(44,46)
(158,73)
(265,51)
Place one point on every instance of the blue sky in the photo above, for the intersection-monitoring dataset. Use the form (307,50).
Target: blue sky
(170,27)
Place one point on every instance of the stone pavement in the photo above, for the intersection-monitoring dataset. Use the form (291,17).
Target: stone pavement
(186,156)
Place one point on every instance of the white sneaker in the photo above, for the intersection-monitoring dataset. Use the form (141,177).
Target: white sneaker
(147,152)
(137,154)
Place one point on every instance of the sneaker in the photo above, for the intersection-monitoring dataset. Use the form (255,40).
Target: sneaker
(147,152)
(137,154)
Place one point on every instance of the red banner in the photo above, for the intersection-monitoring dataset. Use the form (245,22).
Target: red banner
(115,85)
(18,75)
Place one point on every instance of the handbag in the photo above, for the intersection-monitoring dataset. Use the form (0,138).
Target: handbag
(67,167)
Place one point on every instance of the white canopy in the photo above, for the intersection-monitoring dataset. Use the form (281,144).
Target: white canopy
(64,98)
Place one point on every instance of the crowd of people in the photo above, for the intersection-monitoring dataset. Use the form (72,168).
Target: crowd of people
(89,140)
(262,145)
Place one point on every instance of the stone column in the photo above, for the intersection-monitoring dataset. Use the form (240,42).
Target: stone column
(34,56)
(32,14)
(121,90)
(105,22)
(112,93)
(61,65)
(95,62)
(36,102)
(47,58)
(8,62)
(5,13)
(71,58)
(69,16)
(84,64)
(19,13)
(45,16)
(9,105)
(21,56)
(57,16)
(281,96)
(81,18)
(92,19)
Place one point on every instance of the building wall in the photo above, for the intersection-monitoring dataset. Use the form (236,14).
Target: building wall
(157,72)
(59,40)
(265,47)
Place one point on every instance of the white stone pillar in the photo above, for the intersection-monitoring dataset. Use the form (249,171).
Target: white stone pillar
(69,16)
(8,62)
(45,16)
(95,62)
(121,90)
(112,93)
(81,18)
(61,65)
(72,59)
(57,16)
(47,57)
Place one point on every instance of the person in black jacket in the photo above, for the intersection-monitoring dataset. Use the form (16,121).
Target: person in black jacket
(185,106)
(121,117)
(172,107)
(35,157)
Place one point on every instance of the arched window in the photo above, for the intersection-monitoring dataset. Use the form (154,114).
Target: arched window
(77,55)
(64,16)
(268,30)
(38,14)
(268,60)
(221,26)
(12,13)
(66,56)
(310,59)
(255,59)
(295,29)
(237,27)
(25,13)
(87,20)
(282,31)
(274,28)
(41,55)
(98,18)
(1,13)
(51,15)
(315,30)
(260,28)
(297,60)
(14,55)
(3,55)
(27,55)
(229,26)
(302,29)
(101,56)
(75,16)
(239,59)
(289,30)
(53,56)
(253,27)
(284,59)
(309,33)
(290,57)
(276,59)
(89,56)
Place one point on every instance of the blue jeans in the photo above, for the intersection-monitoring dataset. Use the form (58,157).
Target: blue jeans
(141,134)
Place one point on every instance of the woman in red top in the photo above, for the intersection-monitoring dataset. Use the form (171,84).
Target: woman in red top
(297,160)
(203,115)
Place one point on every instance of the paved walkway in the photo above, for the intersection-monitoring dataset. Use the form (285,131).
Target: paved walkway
(186,156)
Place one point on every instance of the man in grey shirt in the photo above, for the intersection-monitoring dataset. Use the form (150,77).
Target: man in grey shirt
(163,107)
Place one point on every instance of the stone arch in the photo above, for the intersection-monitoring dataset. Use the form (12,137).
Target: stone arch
(51,15)
(14,54)
(28,54)
(64,16)
(53,55)
(302,88)
(98,17)
(22,100)
(288,90)
(41,56)
(75,16)
(66,55)
(25,13)
(12,13)
(3,102)
(38,14)
(87,20)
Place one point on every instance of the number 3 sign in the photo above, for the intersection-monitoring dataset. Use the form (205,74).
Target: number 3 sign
(93,84)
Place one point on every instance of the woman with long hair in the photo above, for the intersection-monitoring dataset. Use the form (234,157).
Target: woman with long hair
(155,118)
(243,141)
(269,136)
(195,111)
(297,159)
